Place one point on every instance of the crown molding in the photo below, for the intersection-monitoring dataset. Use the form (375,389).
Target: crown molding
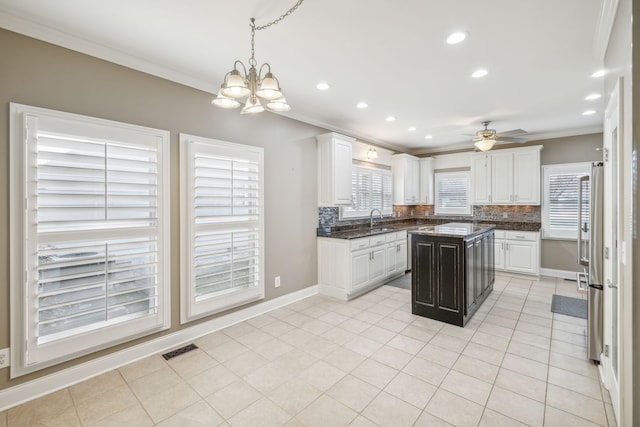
(604,27)
(60,38)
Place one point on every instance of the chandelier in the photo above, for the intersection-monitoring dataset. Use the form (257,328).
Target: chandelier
(251,87)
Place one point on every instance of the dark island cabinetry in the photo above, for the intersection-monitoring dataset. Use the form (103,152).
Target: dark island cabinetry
(452,271)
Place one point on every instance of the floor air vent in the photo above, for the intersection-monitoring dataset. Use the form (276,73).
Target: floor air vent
(179,351)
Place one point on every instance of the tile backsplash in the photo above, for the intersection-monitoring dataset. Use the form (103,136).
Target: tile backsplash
(328,217)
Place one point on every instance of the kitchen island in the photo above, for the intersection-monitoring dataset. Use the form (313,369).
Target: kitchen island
(453,270)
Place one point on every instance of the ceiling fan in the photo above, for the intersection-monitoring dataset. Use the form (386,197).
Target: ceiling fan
(486,138)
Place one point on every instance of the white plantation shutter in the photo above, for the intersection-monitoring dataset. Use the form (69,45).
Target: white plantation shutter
(371,188)
(452,193)
(95,233)
(222,231)
(560,204)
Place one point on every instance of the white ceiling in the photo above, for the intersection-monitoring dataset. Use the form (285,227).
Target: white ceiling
(392,54)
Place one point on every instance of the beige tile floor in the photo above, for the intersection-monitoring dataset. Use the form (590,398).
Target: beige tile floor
(367,362)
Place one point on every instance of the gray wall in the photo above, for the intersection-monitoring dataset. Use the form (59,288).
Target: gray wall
(561,254)
(43,75)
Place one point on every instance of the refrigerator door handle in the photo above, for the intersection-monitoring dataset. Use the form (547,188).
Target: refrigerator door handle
(582,278)
(583,260)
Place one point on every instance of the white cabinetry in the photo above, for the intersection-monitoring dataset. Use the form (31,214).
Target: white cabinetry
(334,153)
(481,184)
(507,177)
(347,268)
(406,179)
(517,251)
(426,181)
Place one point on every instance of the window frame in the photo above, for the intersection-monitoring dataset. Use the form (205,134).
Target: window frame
(578,169)
(27,354)
(451,173)
(190,309)
(355,213)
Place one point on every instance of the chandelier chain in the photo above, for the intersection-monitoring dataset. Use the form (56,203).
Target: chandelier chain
(276,21)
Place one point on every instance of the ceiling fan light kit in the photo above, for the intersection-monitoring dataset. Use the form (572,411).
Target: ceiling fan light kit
(486,138)
(252,84)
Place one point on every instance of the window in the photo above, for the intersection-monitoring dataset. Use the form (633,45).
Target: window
(90,218)
(560,203)
(370,189)
(452,192)
(222,226)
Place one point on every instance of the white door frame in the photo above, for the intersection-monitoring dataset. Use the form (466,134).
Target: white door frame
(613,219)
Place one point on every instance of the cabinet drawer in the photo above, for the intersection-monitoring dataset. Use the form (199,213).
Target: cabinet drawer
(357,244)
(401,235)
(390,237)
(529,236)
(499,234)
(378,240)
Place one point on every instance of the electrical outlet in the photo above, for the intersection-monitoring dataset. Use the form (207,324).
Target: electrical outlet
(277,281)
(4,358)
(505,215)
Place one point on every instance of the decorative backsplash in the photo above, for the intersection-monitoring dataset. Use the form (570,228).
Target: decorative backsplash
(328,217)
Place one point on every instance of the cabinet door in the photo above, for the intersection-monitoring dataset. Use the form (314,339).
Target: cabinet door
(360,262)
(342,172)
(478,252)
(501,178)
(470,274)
(522,257)
(498,244)
(377,269)
(481,185)
(526,177)
(412,181)
(392,258)
(401,255)
(426,181)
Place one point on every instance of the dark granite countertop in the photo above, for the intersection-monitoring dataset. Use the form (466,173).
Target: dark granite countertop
(355,232)
(453,229)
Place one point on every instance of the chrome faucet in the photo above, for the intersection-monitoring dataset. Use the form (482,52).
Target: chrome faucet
(371,217)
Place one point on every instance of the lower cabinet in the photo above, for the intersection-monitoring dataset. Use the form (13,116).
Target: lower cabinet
(348,268)
(517,251)
(451,276)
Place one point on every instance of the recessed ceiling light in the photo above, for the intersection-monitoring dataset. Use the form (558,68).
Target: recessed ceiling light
(411,129)
(323,86)
(390,119)
(428,137)
(589,113)
(598,73)
(592,96)
(457,37)
(362,105)
(479,73)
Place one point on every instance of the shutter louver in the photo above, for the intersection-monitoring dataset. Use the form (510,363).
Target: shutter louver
(561,195)
(371,188)
(225,226)
(452,193)
(91,185)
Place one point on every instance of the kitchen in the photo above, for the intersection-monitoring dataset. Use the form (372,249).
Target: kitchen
(64,79)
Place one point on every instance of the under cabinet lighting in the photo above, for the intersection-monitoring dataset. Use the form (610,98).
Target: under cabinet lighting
(592,96)
(589,113)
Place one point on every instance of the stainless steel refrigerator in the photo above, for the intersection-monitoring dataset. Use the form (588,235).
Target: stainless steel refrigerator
(591,253)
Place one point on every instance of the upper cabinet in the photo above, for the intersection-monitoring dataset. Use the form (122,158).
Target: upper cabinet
(426,181)
(334,169)
(406,179)
(507,177)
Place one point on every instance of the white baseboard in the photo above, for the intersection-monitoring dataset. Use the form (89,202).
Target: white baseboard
(563,274)
(22,393)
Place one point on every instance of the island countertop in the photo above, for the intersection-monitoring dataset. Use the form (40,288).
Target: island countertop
(454,229)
